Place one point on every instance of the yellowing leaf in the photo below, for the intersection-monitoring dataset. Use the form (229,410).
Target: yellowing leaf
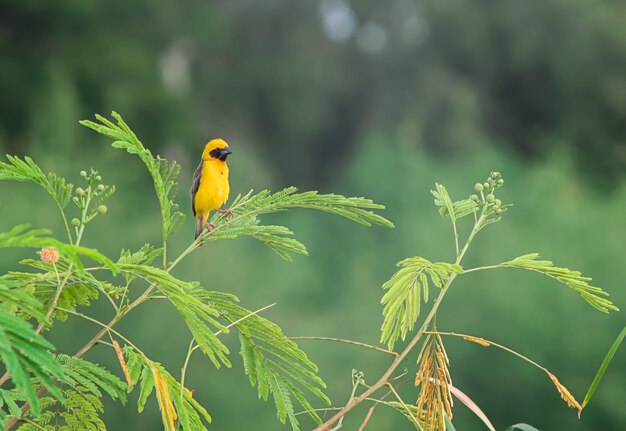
(120,357)
(477,340)
(565,394)
(168,412)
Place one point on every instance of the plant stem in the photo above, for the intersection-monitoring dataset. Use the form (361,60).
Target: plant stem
(183,371)
(354,343)
(491,343)
(408,411)
(384,379)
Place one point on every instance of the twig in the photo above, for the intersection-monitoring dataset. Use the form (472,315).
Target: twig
(341,340)
(383,380)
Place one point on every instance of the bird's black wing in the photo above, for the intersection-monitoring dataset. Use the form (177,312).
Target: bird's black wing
(197,176)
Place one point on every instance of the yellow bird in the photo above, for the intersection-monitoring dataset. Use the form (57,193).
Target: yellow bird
(210,187)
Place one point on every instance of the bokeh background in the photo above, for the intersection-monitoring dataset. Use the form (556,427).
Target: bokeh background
(368,98)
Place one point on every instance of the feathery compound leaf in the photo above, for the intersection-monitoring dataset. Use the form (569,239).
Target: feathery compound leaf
(455,210)
(247,208)
(164,174)
(274,363)
(572,279)
(405,290)
(27,170)
(79,411)
(93,377)
(20,236)
(199,317)
(24,352)
(18,299)
(353,208)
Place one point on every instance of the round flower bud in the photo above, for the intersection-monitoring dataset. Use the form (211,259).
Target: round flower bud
(98,178)
(102,209)
(75,222)
(495,175)
(490,198)
(79,191)
(498,202)
(49,255)
(100,187)
(478,187)
(498,211)
(474,197)
(486,185)
(500,182)
(83,174)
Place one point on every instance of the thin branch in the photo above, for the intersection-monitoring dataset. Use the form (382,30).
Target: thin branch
(354,343)
(408,411)
(491,343)
(384,379)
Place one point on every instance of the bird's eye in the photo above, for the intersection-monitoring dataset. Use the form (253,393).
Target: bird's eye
(216,153)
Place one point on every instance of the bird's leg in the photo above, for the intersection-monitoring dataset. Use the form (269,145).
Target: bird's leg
(209,226)
(229,213)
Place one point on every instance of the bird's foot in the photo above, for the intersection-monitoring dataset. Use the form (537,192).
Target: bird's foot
(209,226)
(229,213)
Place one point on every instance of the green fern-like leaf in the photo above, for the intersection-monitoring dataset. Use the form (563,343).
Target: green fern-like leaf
(27,170)
(248,208)
(25,354)
(163,174)
(274,363)
(21,236)
(454,210)
(595,296)
(405,291)
(80,410)
(93,377)
(18,300)
(199,317)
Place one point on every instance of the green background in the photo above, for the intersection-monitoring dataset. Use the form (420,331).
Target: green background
(375,99)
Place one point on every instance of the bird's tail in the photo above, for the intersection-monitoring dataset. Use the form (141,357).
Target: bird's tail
(199,226)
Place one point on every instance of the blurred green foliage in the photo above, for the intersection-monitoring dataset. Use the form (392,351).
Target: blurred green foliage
(458,89)
(310,80)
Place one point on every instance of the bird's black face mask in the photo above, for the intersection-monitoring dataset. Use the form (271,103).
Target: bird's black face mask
(221,153)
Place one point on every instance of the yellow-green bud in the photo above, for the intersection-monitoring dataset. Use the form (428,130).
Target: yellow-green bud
(486,185)
(102,209)
(500,182)
(490,198)
(495,175)
(79,191)
(475,197)
(83,174)
(98,178)
(75,222)
(498,202)
(478,187)
(498,211)
(100,187)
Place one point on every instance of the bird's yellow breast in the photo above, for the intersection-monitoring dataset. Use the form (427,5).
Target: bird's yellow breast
(214,188)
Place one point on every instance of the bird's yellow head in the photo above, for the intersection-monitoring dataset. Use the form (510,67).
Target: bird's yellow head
(216,149)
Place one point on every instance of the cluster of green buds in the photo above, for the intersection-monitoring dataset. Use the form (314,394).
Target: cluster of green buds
(487,192)
(93,195)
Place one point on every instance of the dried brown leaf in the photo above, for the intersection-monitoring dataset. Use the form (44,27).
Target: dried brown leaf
(120,356)
(565,394)
(434,378)
(477,340)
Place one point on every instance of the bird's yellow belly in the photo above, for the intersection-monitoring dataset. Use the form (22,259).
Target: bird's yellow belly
(213,190)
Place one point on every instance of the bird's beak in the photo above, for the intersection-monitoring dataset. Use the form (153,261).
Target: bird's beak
(224,153)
